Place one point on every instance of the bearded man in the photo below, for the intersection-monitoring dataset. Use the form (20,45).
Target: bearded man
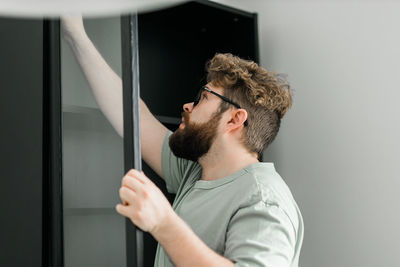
(230,209)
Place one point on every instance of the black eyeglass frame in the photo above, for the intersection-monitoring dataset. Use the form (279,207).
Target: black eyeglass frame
(197,99)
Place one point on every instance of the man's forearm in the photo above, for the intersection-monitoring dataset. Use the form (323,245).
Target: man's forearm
(106,85)
(184,247)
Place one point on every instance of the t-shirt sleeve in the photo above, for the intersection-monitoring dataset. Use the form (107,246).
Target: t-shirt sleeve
(174,168)
(260,235)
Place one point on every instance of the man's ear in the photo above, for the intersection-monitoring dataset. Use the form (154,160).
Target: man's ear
(238,117)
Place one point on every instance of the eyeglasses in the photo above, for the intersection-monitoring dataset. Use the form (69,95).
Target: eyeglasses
(198,97)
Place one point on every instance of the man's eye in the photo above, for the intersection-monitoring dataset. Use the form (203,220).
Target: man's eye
(205,96)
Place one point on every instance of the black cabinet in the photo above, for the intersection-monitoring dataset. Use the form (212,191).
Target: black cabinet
(175,44)
(21,139)
(61,161)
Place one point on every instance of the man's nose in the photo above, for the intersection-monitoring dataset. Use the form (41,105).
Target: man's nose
(188,107)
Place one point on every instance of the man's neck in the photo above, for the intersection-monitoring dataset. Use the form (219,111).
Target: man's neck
(222,161)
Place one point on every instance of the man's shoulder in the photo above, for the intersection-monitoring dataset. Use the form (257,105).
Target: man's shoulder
(264,184)
(262,180)
(265,200)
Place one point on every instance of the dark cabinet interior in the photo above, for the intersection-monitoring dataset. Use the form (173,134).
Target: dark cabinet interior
(175,43)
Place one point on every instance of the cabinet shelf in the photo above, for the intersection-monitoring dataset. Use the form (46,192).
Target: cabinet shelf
(89,211)
(96,113)
(81,110)
(168,120)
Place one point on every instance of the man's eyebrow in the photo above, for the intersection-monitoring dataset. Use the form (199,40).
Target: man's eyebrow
(204,89)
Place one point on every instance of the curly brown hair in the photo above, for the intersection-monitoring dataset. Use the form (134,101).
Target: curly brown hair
(264,96)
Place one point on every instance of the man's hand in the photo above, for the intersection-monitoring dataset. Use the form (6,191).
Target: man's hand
(143,203)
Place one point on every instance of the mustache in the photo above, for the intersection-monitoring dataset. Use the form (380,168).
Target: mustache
(186,117)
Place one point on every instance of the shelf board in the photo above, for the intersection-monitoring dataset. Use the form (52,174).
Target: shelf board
(97,112)
(89,211)
(170,120)
(81,109)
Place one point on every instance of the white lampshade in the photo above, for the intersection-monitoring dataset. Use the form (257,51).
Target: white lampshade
(57,8)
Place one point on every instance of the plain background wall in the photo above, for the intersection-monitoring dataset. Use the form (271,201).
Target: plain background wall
(338,147)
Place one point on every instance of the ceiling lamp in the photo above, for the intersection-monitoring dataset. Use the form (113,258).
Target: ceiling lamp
(57,8)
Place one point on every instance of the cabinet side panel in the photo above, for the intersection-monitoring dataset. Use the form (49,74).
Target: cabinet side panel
(21,142)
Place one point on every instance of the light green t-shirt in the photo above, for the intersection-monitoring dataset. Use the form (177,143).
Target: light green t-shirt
(249,217)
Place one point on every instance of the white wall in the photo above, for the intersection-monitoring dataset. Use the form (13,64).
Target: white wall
(338,147)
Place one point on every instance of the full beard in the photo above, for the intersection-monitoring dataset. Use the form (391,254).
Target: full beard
(195,140)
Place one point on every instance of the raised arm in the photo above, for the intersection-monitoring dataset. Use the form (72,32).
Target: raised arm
(106,87)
